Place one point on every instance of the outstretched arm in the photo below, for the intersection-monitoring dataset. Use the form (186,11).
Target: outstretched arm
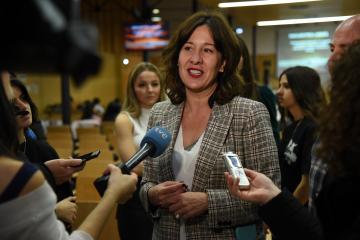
(120,189)
(283,213)
(261,190)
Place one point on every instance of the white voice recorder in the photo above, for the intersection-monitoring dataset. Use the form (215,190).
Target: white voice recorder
(235,168)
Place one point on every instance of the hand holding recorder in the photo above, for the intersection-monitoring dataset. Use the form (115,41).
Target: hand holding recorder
(261,189)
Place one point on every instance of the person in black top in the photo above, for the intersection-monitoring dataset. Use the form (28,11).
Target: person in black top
(300,97)
(39,151)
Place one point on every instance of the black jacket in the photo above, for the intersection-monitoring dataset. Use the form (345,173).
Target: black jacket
(338,212)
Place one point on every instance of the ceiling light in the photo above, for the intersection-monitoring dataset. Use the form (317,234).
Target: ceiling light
(156,19)
(260,3)
(239,30)
(302,21)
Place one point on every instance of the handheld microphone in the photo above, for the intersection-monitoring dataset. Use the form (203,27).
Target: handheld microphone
(153,144)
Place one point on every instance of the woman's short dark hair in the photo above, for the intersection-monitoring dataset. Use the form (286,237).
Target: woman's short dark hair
(8,133)
(229,81)
(306,87)
(340,120)
(34,111)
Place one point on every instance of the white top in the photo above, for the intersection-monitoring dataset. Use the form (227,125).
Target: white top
(140,125)
(183,164)
(32,216)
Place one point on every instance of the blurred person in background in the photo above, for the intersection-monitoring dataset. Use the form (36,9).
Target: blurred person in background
(91,117)
(112,110)
(98,109)
(144,89)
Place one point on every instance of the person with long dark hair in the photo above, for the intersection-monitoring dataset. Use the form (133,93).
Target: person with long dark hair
(300,97)
(39,151)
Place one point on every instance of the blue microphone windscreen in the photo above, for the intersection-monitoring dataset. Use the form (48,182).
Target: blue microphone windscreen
(30,133)
(159,138)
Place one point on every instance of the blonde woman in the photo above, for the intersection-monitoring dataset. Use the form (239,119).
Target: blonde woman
(143,91)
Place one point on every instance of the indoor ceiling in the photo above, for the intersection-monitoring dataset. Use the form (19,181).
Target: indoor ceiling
(324,8)
(176,11)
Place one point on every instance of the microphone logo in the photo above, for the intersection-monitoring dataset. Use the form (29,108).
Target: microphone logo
(162,132)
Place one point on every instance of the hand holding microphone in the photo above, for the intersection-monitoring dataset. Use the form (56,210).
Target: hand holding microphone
(153,144)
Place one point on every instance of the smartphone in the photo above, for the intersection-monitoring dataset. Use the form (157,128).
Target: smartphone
(236,169)
(89,156)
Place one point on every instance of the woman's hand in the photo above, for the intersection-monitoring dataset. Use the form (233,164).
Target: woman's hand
(166,193)
(120,185)
(189,205)
(66,210)
(63,169)
(261,190)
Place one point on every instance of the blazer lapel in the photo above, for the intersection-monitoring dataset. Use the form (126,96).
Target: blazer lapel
(214,138)
(171,122)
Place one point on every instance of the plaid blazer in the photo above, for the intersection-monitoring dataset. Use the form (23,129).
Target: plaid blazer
(241,126)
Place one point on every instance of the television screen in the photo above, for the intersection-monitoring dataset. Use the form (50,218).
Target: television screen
(306,45)
(146,36)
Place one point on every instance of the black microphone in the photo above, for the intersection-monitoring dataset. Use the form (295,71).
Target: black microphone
(153,144)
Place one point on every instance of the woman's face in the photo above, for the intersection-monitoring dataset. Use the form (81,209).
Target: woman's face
(147,88)
(23,120)
(284,94)
(199,62)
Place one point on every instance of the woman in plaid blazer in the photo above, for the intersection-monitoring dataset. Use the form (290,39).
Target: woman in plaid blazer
(184,189)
